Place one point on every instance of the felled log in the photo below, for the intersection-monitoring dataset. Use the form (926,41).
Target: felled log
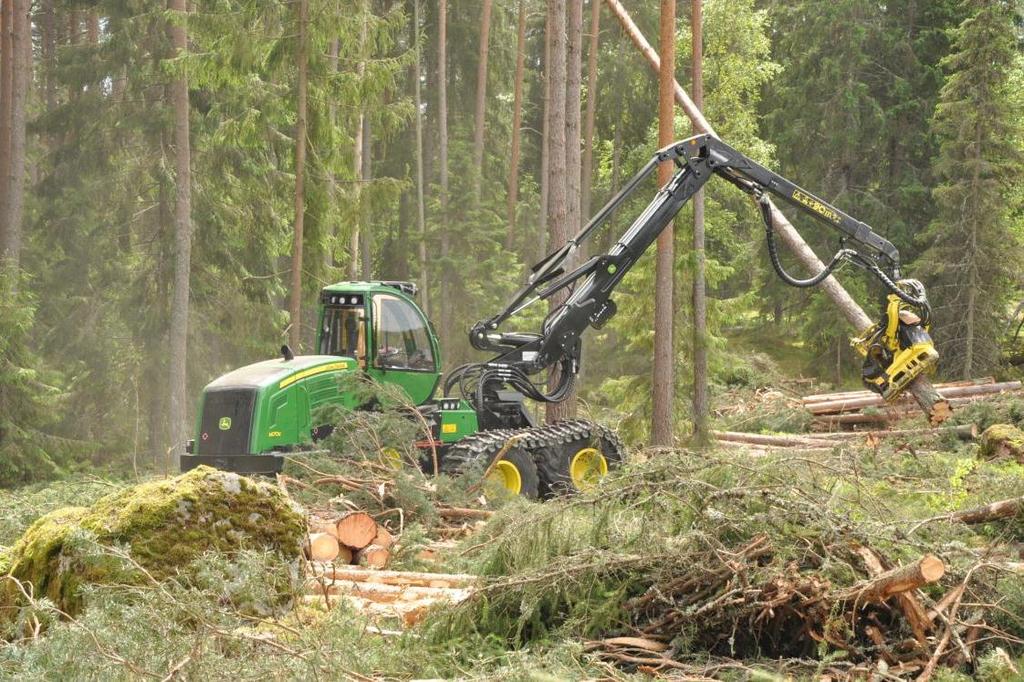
(383,539)
(415,578)
(322,547)
(389,593)
(844,395)
(373,556)
(356,529)
(850,404)
(932,404)
(1003,509)
(915,614)
(761,439)
(962,431)
(461,513)
(761,450)
(927,569)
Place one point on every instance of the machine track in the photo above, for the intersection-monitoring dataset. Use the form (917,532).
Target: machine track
(547,447)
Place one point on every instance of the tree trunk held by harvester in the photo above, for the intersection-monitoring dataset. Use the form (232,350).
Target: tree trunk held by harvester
(663,377)
(178,413)
(933,405)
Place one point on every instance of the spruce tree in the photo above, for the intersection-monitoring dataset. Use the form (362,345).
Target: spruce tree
(973,250)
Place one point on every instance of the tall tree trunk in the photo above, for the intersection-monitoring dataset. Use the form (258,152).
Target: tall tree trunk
(421,220)
(178,334)
(295,302)
(49,53)
(6,97)
(588,122)
(517,124)
(663,380)
(14,179)
(442,124)
(481,101)
(566,409)
(558,200)
(92,28)
(700,323)
(364,205)
(358,149)
(333,49)
(545,153)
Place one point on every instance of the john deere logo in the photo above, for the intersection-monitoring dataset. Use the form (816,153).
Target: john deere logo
(225,423)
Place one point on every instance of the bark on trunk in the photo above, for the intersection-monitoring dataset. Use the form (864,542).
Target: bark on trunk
(858,403)
(178,332)
(442,124)
(588,121)
(663,379)
(295,303)
(365,233)
(699,295)
(933,406)
(421,220)
(517,124)
(481,101)
(1004,509)
(6,97)
(557,217)
(358,149)
(927,569)
(541,246)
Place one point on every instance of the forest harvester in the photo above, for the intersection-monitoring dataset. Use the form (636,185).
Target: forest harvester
(251,417)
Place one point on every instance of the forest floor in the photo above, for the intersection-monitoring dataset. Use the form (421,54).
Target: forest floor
(742,562)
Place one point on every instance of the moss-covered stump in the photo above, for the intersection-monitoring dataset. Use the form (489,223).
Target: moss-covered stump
(1002,441)
(164,524)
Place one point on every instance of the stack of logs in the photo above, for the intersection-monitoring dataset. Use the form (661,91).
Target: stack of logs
(757,443)
(354,538)
(857,409)
(402,596)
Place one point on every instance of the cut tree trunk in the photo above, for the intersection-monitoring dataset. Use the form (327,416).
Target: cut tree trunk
(1003,509)
(407,578)
(934,407)
(383,538)
(373,556)
(912,609)
(963,432)
(927,569)
(845,395)
(356,529)
(322,547)
(779,441)
(858,403)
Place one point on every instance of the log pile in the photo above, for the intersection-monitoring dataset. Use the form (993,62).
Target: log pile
(393,596)
(354,538)
(853,409)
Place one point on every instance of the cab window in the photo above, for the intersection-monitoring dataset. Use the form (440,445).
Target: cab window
(400,335)
(343,332)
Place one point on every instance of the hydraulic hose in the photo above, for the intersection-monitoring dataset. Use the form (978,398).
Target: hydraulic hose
(773,254)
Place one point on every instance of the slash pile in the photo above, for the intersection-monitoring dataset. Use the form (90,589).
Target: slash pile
(837,563)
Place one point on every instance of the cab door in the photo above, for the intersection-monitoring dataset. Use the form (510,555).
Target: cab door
(403,351)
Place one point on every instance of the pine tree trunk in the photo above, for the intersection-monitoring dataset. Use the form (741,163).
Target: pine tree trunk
(357,154)
(541,246)
(663,379)
(6,96)
(421,220)
(49,53)
(442,123)
(481,101)
(295,302)
(178,333)
(333,50)
(21,79)
(557,217)
(364,205)
(566,409)
(517,124)
(587,173)
(700,324)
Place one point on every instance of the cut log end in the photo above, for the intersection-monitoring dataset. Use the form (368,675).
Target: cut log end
(356,529)
(383,538)
(322,547)
(373,556)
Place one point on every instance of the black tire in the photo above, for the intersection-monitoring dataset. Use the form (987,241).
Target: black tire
(475,454)
(555,461)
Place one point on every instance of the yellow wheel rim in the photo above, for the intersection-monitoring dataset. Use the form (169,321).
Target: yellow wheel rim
(505,475)
(392,458)
(588,466)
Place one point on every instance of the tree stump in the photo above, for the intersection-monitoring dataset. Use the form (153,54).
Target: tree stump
(1001,441)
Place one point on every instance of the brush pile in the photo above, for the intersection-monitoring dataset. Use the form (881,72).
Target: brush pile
(838,564)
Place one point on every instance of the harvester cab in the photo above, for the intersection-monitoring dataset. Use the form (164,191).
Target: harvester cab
(251,416)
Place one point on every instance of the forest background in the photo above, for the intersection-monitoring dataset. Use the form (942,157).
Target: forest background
(163,166)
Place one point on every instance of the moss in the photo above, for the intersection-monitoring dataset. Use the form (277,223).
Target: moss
(1002,440)
(165,524)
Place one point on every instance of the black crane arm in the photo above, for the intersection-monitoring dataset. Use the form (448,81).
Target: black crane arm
(590,305)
